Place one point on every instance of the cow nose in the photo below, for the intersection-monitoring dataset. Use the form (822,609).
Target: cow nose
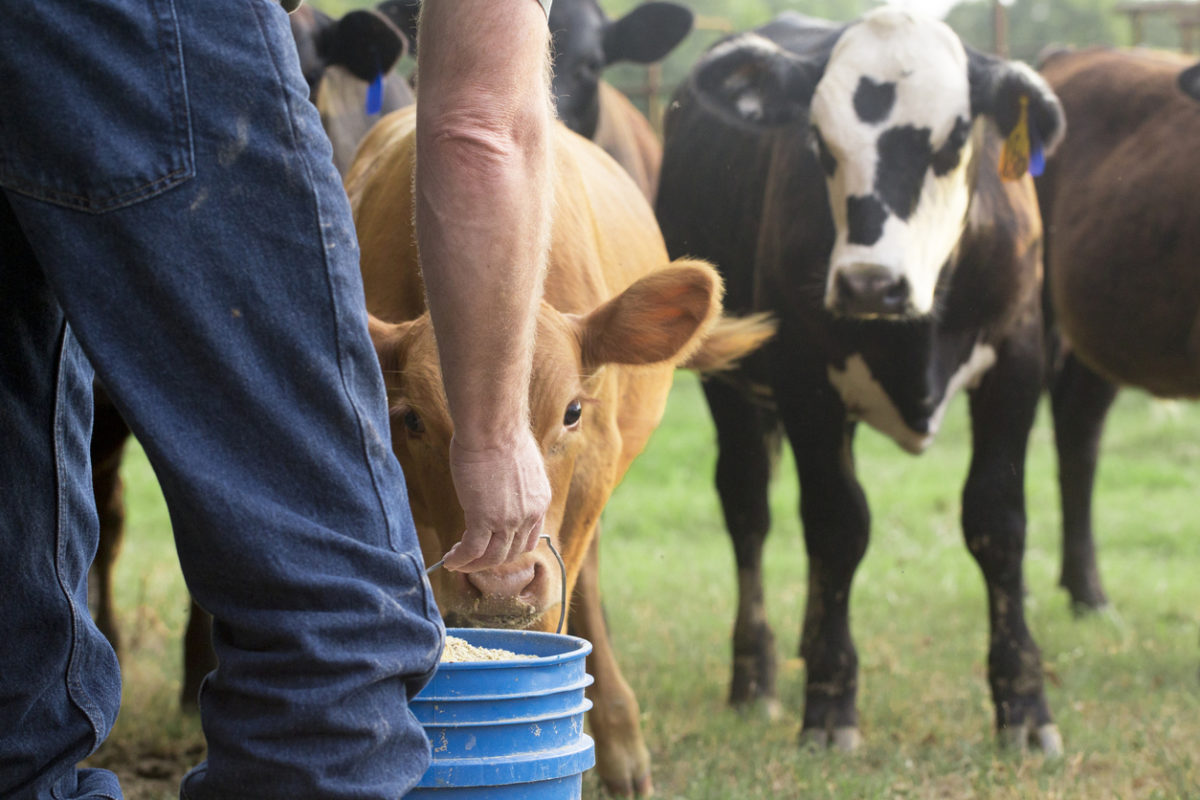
(507,580)
(871,291)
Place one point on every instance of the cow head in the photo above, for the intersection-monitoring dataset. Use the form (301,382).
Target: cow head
(339,60)
(586,41)
(891,104)
(573,398)
(1189,81)
(365,42)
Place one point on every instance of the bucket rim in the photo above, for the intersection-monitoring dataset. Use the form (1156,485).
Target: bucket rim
(580,648)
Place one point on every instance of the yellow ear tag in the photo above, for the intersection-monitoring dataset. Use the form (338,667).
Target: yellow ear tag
(1014,158)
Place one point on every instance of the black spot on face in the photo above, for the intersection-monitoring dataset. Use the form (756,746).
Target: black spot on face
(948,155)
(873,101)
(904,155)
(828,162)
(865,217)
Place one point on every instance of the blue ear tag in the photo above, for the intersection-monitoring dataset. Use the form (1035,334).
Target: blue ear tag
(1037,156)
(375,95)
(1037,159)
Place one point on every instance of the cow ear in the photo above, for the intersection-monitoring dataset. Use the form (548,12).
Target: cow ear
(391,344)
(647,33)
(661,317)
(997,87)
(364,42)
(1189,81)
(751,80)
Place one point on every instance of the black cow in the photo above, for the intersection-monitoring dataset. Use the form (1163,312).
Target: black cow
(846,179)
(339,58)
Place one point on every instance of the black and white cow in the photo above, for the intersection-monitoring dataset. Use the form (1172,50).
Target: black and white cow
(846,179)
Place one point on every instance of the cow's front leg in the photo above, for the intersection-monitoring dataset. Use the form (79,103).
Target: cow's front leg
(993,509)
(747,443)
(622,760)
(1080,400)
(836,522)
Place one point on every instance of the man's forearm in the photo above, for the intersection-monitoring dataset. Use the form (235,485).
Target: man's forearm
(483,194)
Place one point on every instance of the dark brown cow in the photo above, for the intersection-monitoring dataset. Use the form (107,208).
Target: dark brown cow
(846,179)
(1119,204)
(616,320)
(338,58)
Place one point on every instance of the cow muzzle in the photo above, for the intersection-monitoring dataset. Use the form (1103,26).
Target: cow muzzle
(870,290)
(523,594)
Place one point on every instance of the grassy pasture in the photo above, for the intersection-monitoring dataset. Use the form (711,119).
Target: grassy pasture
(1124,686)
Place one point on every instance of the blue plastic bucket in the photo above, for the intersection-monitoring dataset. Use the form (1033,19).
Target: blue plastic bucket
(508,730)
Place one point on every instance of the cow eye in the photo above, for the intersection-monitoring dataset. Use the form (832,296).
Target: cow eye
(572,415)
(413,422)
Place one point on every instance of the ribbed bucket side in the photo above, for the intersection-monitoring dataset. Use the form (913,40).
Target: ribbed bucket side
(508,730)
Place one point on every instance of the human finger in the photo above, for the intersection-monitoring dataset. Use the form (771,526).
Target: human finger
(494,551)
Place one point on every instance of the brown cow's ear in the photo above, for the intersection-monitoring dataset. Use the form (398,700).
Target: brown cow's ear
(389,341)
(661,317)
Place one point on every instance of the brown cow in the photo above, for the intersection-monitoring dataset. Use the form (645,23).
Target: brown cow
(625,134)
(1122,259)
(611,300)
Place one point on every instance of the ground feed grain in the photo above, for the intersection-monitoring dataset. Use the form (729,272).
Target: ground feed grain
(461,650)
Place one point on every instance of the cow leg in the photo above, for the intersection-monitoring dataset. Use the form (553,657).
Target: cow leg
(622,759)
(109,435)
(199,658)
(993,519)
(1080,400)
(836,521)
(744,464)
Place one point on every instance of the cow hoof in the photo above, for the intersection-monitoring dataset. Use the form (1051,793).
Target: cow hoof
(846,739)
(640,787)
(768,708)
(814,739)
(1084,607)
(1042,737)
(625,774)
(1049,740)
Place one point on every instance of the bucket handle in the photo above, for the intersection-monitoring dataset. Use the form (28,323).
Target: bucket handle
(562,568)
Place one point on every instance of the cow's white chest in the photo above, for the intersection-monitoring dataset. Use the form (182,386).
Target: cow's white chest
(867,401)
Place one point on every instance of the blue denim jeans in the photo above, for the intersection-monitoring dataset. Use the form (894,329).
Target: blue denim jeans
(170,215)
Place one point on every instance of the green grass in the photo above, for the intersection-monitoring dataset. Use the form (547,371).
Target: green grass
(1123,686)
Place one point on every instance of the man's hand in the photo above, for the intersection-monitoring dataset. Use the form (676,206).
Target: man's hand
(504,494)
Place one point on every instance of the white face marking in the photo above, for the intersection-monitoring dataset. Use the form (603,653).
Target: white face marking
(866,400)
(926,62)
